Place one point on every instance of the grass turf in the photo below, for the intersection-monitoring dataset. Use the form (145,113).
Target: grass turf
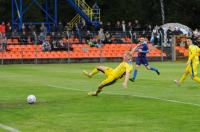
(152,103)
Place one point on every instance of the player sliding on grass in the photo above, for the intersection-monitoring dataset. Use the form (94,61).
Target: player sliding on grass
(142,50)
(191,65)
(124,68)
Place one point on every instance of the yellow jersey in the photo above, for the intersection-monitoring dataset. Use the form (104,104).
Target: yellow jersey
(122,68)
(194,54)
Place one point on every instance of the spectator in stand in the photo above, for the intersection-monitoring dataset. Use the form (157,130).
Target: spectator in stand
(15,34)
(136,29)
(61,45)
(78,33)
(8,30)
(148,30)
(137,24)
(60,27)
(130,31)
(169,33)
(68,46)
(43,29)
(88,37)
(177,31)
(53,30)
(101,37)
(4,42)
(23,37)
(31,28)
(41,37)
(3,28)
(68,30)
(118,27)
(46,46)
(161,35)
(155,36)
(123,29)
(23,27)
(108,37)
(108,27)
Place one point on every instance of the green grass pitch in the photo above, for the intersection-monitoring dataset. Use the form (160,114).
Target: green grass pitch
(151,104)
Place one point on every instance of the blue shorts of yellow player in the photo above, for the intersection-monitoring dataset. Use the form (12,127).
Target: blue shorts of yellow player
(192,69)
(110,79)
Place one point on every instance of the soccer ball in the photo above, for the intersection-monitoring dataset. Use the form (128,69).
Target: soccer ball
(31,99)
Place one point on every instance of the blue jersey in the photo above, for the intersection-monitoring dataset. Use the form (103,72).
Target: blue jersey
(144,50)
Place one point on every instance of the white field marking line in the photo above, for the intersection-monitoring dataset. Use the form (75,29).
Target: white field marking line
(133,95)
(10,129)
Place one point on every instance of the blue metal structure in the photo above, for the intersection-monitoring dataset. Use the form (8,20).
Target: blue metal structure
(19,10)
(83,14)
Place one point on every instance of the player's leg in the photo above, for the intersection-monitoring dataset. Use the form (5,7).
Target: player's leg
(148,67)
(184,76)
(95,71)
(108,81)
(135,72)
(194,73)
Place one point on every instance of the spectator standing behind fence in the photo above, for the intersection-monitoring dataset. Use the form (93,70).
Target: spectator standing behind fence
(8,30)
(123,29)
(169,34)
(88,37)
(118,27)
(3,42)
(108,27)
(3,28)
(108,37)
(101,37)
(43,29)
(60,27)
(23,37)
(15,34)
(46,46)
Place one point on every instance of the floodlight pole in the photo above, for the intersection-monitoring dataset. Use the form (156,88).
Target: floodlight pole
(162,11)
(163,22)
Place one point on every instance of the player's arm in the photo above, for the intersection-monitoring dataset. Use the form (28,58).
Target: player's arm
(125,83)
(134,49)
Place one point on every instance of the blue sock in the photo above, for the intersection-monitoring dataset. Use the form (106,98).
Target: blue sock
(135,74)
(154,69)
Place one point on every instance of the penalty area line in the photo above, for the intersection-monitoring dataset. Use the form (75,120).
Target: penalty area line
(132,95)
(8,128)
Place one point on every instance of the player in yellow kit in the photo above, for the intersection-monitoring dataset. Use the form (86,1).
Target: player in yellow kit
(124,68)
(191,65)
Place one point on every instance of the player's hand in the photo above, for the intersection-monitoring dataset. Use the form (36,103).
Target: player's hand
(188,63)
(124,85)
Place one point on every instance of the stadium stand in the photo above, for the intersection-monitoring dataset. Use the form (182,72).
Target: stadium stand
(16,51)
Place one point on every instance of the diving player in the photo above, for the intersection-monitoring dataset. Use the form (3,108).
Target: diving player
(124,68)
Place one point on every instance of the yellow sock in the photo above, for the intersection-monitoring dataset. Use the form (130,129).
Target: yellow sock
(183,78)
(197,79)
(94,71)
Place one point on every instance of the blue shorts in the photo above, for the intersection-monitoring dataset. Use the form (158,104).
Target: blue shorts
(142,60)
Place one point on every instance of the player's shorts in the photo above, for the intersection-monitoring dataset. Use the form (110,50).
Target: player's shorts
(110,78)
(142,60)
(192,69)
